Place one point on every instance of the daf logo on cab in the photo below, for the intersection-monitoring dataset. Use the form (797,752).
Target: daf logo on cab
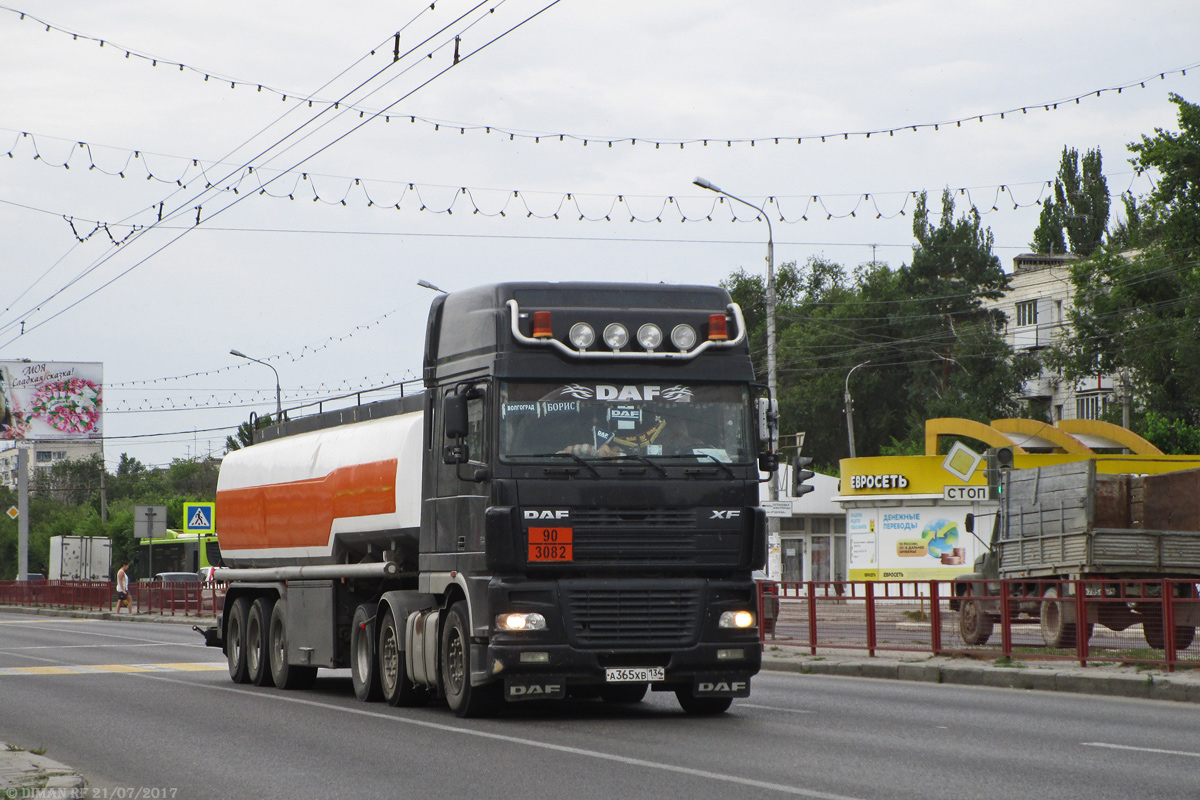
(561,514)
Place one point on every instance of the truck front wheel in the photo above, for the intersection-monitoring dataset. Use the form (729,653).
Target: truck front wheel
(235,640)
(394,683)
(974,623)
(702,706)
(464,699)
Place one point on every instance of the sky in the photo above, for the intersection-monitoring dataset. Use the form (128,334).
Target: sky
(550,151)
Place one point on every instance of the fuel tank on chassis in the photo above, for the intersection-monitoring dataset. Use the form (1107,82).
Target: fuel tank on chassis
(323,497)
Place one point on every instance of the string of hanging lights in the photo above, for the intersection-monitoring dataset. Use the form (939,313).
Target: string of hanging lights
(537,137)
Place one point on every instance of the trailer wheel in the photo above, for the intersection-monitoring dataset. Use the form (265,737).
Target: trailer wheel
(364,666)
(1056,631)
(285,675)
(702,706)
(235,640)
(258,648)
(974,623)
(394,683)
(464,699)
(1153,631)
(624,693)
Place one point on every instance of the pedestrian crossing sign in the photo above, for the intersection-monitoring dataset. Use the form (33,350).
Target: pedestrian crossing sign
(199,517)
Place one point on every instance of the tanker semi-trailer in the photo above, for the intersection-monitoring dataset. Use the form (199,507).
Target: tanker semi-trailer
(569,508)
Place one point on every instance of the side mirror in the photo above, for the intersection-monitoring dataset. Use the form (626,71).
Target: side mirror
(454,412)
(768,462)
(768,418)
(969,523)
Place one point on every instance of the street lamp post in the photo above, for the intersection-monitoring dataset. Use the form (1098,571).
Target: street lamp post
(850,407)
(278,394)
(772,382)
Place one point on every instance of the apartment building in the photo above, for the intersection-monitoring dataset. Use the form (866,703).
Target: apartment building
(42,456)
(1037,306)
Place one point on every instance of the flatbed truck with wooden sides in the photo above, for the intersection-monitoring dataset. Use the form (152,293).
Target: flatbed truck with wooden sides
(569,508)
(1115,535)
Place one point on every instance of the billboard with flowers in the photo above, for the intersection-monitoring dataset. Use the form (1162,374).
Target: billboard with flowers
(50,400)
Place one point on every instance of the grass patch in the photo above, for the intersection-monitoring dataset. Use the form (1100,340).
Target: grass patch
(1006,661)
(917,616)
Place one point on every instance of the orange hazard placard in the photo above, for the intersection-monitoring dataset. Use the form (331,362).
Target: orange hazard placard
(551,544)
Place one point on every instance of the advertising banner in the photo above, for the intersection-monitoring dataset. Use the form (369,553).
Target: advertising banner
(45,400)
(909,543)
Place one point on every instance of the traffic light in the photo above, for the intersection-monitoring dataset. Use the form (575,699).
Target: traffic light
(800,474)
(999,461)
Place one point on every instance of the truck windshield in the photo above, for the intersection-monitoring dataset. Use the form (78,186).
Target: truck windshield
(595,421)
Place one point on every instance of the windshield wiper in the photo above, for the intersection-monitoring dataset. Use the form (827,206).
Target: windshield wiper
(637,457)
(572,456)
(718,462)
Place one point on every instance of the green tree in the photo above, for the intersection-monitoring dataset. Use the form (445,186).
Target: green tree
(1176,159)
(1079,208)
(958,363)
(244,436)
(1135,311)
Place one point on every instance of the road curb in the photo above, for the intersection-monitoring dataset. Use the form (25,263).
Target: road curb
(1109,681)
(25,774)
(109,615)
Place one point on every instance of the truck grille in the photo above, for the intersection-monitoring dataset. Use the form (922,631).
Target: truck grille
(599,617)
(636,517)
(629,535)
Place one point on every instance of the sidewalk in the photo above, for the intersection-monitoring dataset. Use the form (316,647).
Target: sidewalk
(1112,680)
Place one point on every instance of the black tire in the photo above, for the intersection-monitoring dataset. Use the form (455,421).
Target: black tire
(1153,631)
(464,699)
(624,693)
(364,665)
(702,706)
(975,624)
(235,639)
(394,683)
(283,674)
(258,646)
(1056,631)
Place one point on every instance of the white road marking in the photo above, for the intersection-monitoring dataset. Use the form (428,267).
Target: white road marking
(1140,749)
(797,791)
(777,708)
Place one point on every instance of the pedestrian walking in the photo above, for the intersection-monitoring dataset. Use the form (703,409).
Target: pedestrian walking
(123,599)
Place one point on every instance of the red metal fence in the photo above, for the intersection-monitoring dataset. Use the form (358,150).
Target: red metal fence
(183,599)
(1125,619)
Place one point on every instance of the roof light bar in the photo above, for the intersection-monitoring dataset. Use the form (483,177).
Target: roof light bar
(677,337)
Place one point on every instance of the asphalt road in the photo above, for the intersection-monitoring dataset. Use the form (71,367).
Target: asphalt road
(146,707)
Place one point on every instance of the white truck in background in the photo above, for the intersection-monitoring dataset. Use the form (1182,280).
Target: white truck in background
(80,558)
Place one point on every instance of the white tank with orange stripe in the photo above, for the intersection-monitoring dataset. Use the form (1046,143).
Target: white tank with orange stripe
(323,497)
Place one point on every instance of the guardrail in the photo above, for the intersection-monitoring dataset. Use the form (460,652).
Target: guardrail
(1020,619)
(173,599)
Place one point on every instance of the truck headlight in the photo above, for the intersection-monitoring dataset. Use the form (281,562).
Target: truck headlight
(521,622)
(736,619)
